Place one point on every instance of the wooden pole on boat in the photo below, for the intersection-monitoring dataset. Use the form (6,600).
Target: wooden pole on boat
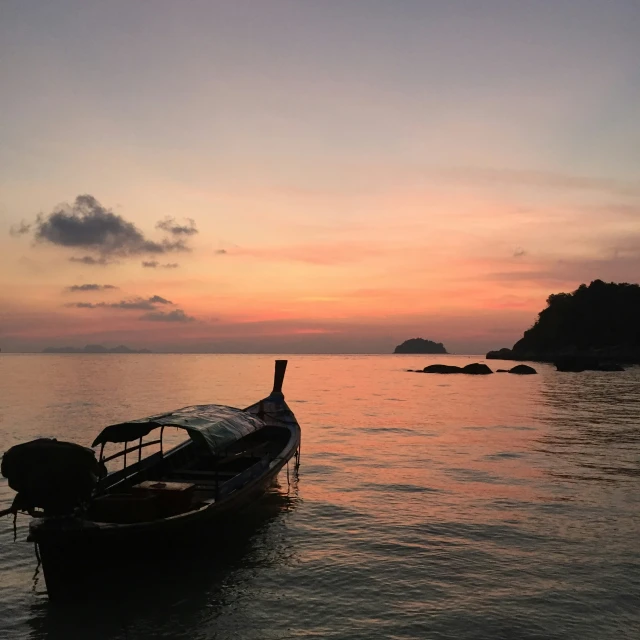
(278,378)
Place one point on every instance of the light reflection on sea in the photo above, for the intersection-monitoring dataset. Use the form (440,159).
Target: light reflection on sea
(427,506)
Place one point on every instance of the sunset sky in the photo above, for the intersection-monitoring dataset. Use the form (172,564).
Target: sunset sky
(311,176)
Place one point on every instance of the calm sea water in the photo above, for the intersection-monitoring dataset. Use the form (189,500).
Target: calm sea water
(426,506)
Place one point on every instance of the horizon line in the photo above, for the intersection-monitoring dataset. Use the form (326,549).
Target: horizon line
(234,353)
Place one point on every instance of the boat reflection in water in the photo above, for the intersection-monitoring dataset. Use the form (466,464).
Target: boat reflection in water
(141,515)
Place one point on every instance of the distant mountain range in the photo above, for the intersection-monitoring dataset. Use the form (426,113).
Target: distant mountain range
(94,348)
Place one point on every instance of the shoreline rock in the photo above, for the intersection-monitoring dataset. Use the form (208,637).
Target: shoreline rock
(474,369)
(568,360)
(500,354)
(577,364)
(522,370)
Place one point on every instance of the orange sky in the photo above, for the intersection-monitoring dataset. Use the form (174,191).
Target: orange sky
(350,188)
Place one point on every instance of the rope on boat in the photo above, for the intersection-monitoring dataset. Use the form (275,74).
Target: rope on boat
(13,509)
(36,577)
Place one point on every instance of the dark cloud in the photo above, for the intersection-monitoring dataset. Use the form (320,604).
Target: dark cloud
(220,252)
(89,260)
(89,225)
(170,225)
(154,264)
(177,315)
(90,287)
(20,229)
(139,304)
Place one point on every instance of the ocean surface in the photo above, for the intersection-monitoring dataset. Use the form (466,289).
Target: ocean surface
(426,506)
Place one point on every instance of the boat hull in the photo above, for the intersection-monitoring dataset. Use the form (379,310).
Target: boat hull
(76,554)
(91,522)
(75,561)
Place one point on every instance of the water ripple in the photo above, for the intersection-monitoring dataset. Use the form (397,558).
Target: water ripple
(498,508)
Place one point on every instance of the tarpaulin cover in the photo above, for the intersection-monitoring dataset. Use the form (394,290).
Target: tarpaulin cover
(211,425)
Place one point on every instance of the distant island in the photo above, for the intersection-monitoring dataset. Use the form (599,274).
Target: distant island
(420,345)
(94,348)
(596,323)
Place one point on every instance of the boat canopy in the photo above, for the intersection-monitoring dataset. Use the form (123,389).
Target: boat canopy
(213,426)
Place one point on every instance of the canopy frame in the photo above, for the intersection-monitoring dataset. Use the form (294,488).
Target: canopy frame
(213,427)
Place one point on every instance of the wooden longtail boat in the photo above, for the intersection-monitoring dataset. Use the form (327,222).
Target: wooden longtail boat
(229,460)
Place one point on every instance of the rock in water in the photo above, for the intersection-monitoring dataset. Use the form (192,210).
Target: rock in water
(472,369)
(500,354)
(571,365)
(477,369)
(580,363)
(609,366)
(576,364)
(441,368)
(523,370)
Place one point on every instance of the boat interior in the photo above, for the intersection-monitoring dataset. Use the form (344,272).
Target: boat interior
(184,479)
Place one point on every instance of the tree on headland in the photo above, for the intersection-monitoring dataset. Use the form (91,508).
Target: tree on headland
(595,316)
(420,345)
(601,318)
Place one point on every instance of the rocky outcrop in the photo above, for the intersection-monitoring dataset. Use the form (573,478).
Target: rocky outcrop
(474,369)
(523,370)
(500,354)
(442,368)
(477,369)
(609,366)
(577,364)
(420,345)
(592,328)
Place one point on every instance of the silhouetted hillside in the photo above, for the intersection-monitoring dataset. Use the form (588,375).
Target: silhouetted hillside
(601,320)
(94,348)
(420,345)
